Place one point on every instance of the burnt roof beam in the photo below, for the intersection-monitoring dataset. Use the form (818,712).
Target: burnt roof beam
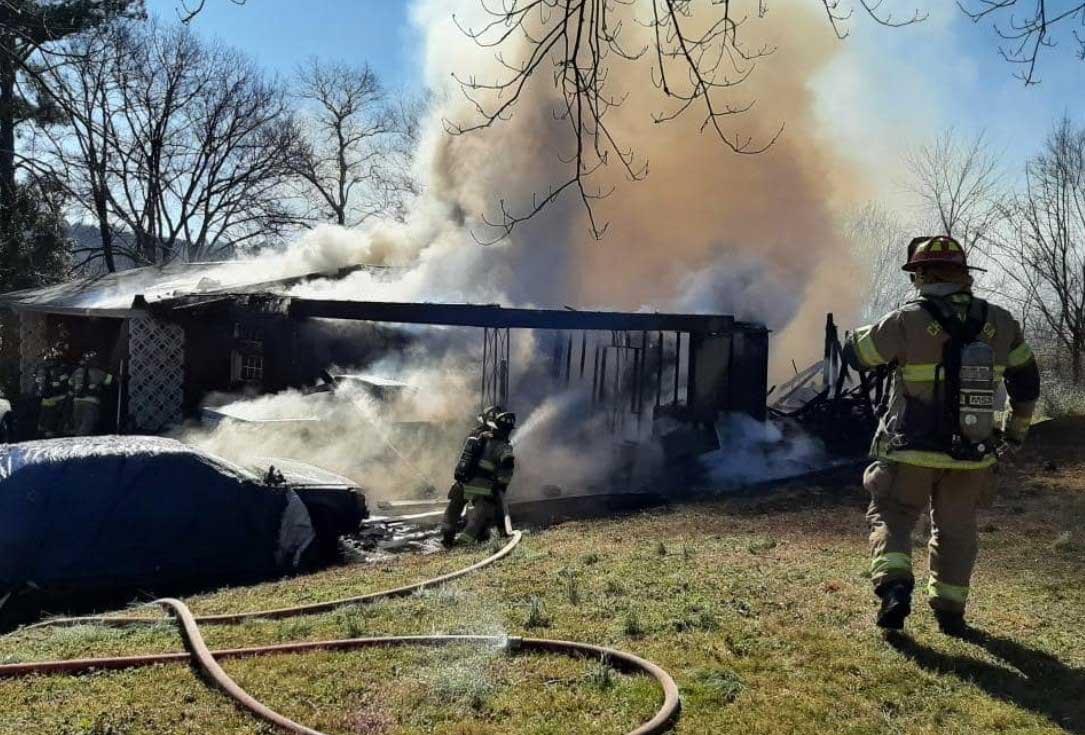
(493,316)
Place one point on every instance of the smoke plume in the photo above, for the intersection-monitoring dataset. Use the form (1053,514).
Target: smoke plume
(711,231)
(757,236)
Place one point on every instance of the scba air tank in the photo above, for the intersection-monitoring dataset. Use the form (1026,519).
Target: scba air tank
(977,394)
(469,458)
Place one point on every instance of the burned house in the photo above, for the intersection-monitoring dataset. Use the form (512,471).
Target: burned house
(174,335)
(163,361)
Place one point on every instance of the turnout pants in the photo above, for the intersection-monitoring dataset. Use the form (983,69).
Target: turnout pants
(899,493)
(85,415)
(484,513)
(51,417)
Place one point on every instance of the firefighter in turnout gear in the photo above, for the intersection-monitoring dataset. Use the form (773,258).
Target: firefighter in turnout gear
(55,395)
(482,475)
(937,443)
(89,385)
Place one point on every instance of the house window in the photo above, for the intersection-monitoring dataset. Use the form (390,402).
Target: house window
(252,368)
(247,358)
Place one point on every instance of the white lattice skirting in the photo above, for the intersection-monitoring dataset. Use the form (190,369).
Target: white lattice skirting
(32,346)
(156,352)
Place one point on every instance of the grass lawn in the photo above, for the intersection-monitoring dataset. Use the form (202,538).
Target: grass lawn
(760,609)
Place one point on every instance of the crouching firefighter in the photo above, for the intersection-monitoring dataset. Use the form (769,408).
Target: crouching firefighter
(482,475)
(937,442)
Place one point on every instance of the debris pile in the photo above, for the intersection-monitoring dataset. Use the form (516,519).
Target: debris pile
(828,400)
(382,537)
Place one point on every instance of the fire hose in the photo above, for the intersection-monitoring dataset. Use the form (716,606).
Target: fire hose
(207,661)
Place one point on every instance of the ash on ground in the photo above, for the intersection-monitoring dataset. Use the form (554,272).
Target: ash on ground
(383,538)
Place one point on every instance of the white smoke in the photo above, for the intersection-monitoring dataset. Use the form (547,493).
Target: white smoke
(755,451)
(393,446)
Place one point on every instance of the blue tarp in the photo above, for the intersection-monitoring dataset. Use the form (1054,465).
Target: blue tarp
(119,512)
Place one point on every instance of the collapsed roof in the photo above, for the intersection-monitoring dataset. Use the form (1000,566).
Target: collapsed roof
(125,293)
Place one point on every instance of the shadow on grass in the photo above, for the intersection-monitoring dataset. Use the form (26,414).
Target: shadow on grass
(1042,683)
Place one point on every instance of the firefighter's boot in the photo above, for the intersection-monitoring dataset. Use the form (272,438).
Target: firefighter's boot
(952,623)
(450,523)
(896,604)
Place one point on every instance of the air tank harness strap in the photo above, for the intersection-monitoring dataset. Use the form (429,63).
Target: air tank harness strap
(961,332)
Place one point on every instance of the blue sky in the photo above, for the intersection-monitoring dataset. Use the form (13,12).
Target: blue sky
(888,89)
(281,33)
(893,89)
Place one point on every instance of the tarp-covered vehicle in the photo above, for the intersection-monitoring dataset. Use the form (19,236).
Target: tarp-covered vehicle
(113,513)
(7,420)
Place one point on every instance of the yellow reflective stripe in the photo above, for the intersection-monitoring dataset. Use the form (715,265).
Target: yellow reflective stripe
(951,592)
(477,490)
(108,379)
(893,561)
(1019,356)
(487,464)
(934,460)
(864,345)
(919,373)
(88,399)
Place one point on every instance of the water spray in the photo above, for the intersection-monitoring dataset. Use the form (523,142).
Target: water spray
(541,416)
(364,410)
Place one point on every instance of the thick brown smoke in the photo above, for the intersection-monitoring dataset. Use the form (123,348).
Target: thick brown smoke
(708,230)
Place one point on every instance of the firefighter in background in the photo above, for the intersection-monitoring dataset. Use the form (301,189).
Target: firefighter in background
(482,475)
(90,385)
(55,395)
(937,443)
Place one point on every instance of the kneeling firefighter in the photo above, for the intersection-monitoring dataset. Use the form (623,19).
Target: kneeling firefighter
(482,475)
(937,442)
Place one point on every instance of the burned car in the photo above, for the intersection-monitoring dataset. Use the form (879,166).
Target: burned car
(112,513)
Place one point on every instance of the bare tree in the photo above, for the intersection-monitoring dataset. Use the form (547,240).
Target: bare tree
(960,185)
(86,91)
(1026,29)
(1044,251)
(879,242)
(30,32)
(187,10)
(399,181)
(177,149)
(351,158)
